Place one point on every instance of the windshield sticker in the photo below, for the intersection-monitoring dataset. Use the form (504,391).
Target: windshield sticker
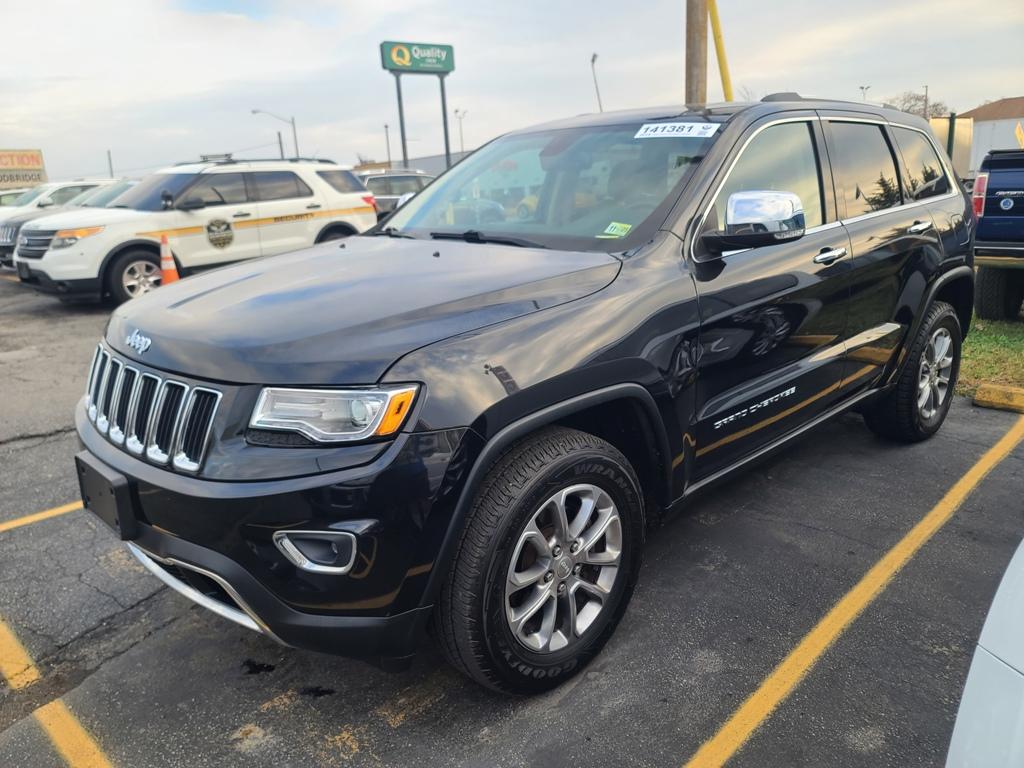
(671,130)
(616,229)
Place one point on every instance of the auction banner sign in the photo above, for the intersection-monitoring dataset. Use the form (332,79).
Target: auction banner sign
(21,168)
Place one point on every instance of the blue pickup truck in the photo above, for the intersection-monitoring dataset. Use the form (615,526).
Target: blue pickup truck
(998,198)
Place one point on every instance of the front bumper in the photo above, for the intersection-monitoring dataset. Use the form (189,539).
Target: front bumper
(85,288)
(215,538)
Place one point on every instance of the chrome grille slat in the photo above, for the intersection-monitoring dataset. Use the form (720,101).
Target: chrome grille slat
(162,420)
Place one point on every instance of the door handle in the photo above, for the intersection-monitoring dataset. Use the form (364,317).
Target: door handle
(918,227)
(312,206)
(829,255)
(241,215)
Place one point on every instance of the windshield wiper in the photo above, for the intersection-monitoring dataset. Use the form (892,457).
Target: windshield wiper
(393,232)
(476,236)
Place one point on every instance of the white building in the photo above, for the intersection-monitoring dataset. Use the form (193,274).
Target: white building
(997,125)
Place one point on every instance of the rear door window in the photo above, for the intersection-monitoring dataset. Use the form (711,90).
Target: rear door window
(379,185)
(923,174)
(279,185)
(218,189)
(342,181)
(864,168)
(779,158)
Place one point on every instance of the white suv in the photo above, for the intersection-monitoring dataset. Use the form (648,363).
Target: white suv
(213,212)
(51,193)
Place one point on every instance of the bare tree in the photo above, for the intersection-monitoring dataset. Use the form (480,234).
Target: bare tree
(913,102)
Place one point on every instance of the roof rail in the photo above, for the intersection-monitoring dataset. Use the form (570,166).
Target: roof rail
(227,159)
(783,96)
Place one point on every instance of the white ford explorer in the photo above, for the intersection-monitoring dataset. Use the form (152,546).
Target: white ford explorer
(213,212)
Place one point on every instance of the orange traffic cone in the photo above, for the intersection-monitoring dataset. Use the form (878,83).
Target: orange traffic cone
(169,272)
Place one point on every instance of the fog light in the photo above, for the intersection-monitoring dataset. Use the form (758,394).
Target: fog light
(327,552)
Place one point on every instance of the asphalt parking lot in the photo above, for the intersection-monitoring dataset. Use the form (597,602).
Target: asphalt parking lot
(728,589)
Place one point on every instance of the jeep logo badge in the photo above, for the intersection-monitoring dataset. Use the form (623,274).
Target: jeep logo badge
(138,342)
(219,233)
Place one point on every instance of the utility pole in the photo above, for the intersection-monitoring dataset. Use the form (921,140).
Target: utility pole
(696,51)
(280,144)
(864,92)
(459,114)
(291,121)
(387,141)
(593,71)
(926,102)
(110,164)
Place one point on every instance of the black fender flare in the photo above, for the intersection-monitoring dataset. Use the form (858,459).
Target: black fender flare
(957,273)
(518,429)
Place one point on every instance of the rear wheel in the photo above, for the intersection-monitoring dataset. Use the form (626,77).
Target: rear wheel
(133,274)
(335,233)
(546,564)
(915,409)
(998,293)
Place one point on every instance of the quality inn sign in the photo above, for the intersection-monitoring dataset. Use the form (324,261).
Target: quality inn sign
(427,58)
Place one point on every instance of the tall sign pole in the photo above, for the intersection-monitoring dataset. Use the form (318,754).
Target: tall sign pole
(419,59)
(696,51)
(444,122)
(401,119)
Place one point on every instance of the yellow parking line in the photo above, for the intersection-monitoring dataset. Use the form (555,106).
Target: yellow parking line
(790,672)
(16,665)
(17,522)
(74,743)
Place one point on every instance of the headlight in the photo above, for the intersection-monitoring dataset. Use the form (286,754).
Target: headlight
(334,415)
(67,237)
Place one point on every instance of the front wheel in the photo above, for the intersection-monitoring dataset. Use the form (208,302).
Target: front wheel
(916,407)
(133,274)
(546,564)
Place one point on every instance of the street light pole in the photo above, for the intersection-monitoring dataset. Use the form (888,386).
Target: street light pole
(864,92)
(593,71)
(459,114)
(290,121)
(387,140)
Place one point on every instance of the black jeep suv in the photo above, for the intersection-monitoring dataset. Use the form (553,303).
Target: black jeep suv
(468,419)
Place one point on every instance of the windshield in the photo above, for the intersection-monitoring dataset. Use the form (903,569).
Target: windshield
(146,195)
(595,188)
(106,194)
(28,197)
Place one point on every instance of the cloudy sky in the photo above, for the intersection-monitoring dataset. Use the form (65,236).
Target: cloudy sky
(158,81)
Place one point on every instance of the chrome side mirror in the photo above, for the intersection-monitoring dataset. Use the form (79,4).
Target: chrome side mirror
(756,218)
(45,202)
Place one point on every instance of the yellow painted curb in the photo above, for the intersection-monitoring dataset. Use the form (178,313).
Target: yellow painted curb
(1000,396)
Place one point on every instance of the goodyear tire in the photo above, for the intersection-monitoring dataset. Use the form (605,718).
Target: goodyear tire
(916,407)
(998,293)
(519,554)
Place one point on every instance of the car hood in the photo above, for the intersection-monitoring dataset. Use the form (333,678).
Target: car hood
(74,218)
(1004,627)
(10,211)
(343,314)
(32,214)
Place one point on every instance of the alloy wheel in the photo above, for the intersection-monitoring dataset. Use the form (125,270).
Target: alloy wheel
(934,375)
(563,568)
(139,277)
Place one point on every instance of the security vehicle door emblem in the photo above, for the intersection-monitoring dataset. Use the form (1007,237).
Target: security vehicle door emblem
(138,342)
(219,233)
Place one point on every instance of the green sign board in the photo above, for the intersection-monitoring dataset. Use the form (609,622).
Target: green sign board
(426,58)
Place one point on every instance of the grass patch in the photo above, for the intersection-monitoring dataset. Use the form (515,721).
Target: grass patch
(993,353)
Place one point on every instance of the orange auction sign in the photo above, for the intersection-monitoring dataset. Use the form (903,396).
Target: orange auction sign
(21,168)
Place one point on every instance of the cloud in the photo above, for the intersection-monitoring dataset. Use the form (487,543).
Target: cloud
(158,81)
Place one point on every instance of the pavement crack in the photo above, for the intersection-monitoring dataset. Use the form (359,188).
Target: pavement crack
(59,432)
